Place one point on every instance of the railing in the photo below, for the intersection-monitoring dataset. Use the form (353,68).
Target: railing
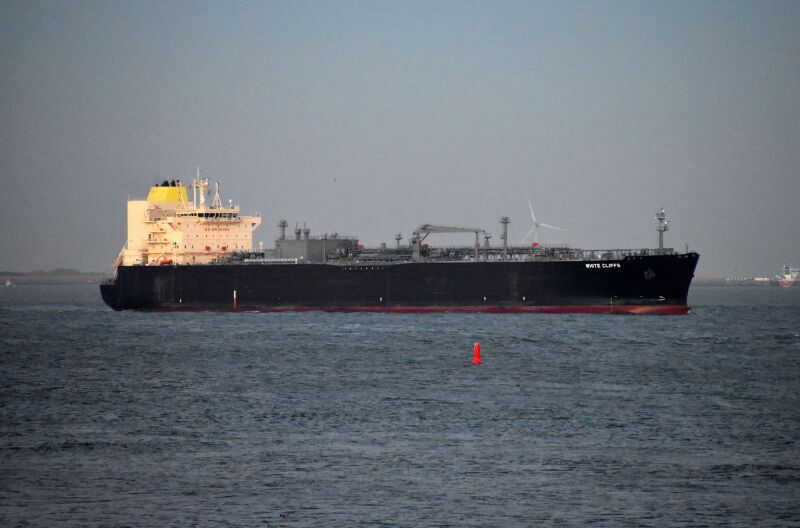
(435,254)
(525,253)
(273,260)
(118,260)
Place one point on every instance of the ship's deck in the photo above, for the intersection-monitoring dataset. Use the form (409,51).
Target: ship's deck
(404,254)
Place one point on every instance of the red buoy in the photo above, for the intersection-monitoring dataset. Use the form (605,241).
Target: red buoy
(476,354)
(234,299)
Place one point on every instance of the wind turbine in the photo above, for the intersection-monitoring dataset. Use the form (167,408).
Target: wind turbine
(536,224)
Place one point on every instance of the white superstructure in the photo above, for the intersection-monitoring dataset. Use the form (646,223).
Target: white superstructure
(167,228)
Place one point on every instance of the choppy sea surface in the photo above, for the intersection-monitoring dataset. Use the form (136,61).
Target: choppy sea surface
(316,419)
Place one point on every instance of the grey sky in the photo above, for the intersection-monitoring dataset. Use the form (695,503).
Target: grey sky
(441,112)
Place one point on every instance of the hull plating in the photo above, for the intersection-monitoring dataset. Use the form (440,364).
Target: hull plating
(646,284)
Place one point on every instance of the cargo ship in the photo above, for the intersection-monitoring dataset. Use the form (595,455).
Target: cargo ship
(187,254)
(788,277)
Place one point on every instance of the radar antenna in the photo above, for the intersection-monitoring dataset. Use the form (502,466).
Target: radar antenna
(217,203)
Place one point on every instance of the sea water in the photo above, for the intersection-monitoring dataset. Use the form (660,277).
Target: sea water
(316,419)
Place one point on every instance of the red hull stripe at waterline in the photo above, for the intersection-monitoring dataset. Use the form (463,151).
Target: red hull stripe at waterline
(672,309)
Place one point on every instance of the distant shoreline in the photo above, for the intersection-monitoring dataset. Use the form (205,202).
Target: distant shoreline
(49,278)
(749,282)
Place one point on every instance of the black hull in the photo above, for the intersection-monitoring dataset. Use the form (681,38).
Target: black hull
(645,284)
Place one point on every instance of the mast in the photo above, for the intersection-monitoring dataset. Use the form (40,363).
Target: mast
(504,237)
(663,225)
(199,185)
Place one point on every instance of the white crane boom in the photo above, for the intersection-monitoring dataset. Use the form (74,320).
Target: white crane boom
(432,228)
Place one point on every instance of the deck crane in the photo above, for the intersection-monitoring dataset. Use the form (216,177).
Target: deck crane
(422,232)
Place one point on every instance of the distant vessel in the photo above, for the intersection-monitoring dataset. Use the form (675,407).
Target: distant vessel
(788,276)
(9,283)
(184,254)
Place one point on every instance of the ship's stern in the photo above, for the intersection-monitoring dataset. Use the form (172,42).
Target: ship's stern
(110,294)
